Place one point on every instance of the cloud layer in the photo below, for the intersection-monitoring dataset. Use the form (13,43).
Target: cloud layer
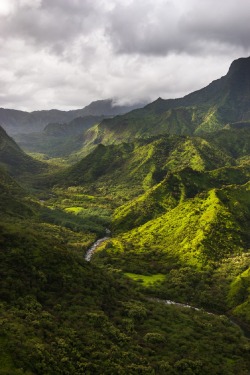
(66,53)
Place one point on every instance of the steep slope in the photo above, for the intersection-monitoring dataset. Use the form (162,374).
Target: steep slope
(74,127)
(197,230)
(171,191)
(131,168)
(234,140)
(13,199)
(14,160)
(58,140)
(188,174)
(62,315)
(224,101)
(199,246)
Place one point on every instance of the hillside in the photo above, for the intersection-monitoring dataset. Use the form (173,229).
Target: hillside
(74,127)
(224,101)
(172,190)
(192,166)
(131,168)
(58,140)
(61,315)
(14,160)
(222,104)
(200,245)
(165,192)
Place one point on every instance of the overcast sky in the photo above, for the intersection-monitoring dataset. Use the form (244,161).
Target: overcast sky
(66,53)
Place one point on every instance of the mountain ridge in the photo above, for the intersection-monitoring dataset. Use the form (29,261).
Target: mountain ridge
(209,109)
(16,121)
(178,208)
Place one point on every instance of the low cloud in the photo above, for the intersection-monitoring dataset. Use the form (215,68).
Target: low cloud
(66,53)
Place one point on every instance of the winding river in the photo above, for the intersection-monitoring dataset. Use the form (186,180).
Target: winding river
(95,245)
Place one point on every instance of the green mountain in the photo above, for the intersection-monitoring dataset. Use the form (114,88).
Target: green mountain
(222,104)
(172,190)
(199,244)
(168,291)
(234,139)
(193,166)
(58,140)
(18,122)
(198,228)
(224,101)
(61,315)
(74,127)
(14,160)
(13,199)
(184,203)
(128,169)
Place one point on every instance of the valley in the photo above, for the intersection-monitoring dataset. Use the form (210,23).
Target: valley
(158,198)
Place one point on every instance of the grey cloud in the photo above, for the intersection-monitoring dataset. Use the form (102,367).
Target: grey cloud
(146,27)
(163,27)
(54,24)
(223,22)
(66,53)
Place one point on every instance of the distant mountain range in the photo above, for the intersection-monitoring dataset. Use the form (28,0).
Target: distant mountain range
(225,103)
(15,122)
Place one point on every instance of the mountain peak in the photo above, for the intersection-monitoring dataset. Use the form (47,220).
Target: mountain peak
(238,80)
(242,64)
(239,71)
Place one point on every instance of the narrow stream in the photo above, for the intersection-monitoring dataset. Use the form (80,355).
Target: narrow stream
(92,249)
(169,302)
(90,252)
(97,243)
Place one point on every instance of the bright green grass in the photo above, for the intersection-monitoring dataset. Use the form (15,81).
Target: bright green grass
(74,210)
(146,280)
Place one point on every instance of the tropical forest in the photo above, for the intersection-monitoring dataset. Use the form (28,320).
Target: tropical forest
(125,236)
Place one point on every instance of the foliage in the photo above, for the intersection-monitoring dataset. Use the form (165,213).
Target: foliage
(179,210)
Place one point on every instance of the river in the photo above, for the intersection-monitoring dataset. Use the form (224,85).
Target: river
(97,243)
(91,251)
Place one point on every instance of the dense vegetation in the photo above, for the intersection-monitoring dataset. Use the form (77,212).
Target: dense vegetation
(178,207)
(61,315)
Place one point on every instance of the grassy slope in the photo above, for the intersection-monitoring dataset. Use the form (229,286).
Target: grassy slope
(172,190)
(62,315)
(130,169)
(14,160)
(199,234)
(193,219)
(189,230)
